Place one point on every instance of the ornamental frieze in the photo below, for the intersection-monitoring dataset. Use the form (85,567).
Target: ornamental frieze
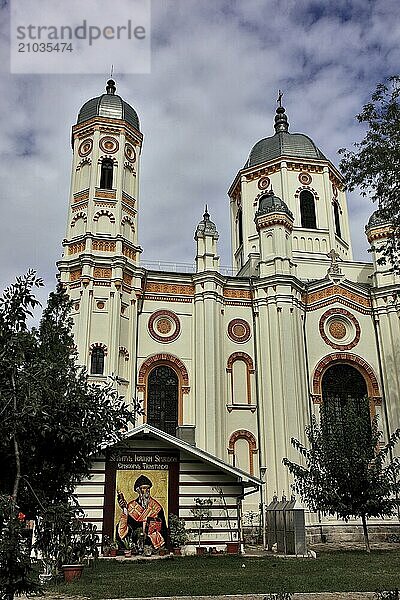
(129,252)
(78,196)
(103,246)
(106,193)
(80,206)
(169,288)
(379,233)
(228,293)
(295,166)
(129,200)
(264,171)
(75,248)
(331,291)
(128,210)
(75,274)
(102,273)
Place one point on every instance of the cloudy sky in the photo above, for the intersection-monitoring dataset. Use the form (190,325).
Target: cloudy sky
(210,95)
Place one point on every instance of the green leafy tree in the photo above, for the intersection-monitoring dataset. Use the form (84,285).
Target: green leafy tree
(53,420)
(345,470)
(55,416)
(374,168)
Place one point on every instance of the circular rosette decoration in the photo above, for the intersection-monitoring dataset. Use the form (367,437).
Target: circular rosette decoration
(109,145)
(239,331)
(305,178)
(263,183)
(339,329)
(130,153)
(85,147)
(164,326)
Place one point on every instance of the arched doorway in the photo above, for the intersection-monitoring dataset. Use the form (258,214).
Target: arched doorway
(344,393)
(162,399)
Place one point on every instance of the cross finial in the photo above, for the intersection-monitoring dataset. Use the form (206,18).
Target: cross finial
(333,256)
(111,71)
(280,96)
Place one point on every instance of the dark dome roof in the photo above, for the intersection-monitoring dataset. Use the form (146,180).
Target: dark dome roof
(269,203)
(376,219)
(109,105)
(283,143)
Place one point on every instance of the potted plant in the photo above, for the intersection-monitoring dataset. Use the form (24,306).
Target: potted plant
(129,545)
(177,533)
(64,539)
(78,545)
(202,513)
(106,545)
(113,549)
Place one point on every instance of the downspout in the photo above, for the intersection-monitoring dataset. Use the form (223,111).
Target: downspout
(385,409)
(309,395)
(139,312)
(261,466)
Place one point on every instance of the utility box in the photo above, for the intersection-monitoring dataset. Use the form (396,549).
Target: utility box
(286,526)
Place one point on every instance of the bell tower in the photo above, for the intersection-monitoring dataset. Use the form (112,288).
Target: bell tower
(99,267)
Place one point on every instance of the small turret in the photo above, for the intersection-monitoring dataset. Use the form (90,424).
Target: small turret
(274,223)
(206,236)
(378,230)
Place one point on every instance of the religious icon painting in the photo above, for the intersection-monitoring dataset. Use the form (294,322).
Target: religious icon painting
(141,490)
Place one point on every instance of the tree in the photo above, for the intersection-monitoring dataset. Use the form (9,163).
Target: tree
(375,166)
(57,418)
(345,471)
(53,420)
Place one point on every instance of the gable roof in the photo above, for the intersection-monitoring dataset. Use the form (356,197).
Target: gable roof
(245,478)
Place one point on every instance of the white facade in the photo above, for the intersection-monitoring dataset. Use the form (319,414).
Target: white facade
(246,355)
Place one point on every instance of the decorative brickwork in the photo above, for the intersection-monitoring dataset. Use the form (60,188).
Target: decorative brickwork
(168,288)
(243,434)
(164,326)
(355,361)
(163,359)
(339,324)
(239,330)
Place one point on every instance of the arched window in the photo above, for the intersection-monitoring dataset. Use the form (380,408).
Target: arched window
(307,210)
(344,391)
(240,226)
(337,219)
(106,178)
(243,448)
(162,399)
(97,361)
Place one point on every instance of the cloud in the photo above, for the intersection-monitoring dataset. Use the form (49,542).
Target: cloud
(216,69)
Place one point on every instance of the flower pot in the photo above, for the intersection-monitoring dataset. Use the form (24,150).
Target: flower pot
(200,550)
(106,551)
(232,548)
(128,553)
(113,551)
(177,551)
(71,572)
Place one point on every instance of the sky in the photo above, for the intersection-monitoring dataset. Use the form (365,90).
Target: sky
(216,67)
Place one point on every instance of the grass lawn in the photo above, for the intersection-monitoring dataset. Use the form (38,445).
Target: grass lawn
(331,571)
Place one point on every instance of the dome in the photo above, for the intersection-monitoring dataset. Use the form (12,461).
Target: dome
(283,143)
(109,105)
(376,219)
(269,203)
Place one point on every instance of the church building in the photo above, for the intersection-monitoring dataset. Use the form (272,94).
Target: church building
(227,367)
